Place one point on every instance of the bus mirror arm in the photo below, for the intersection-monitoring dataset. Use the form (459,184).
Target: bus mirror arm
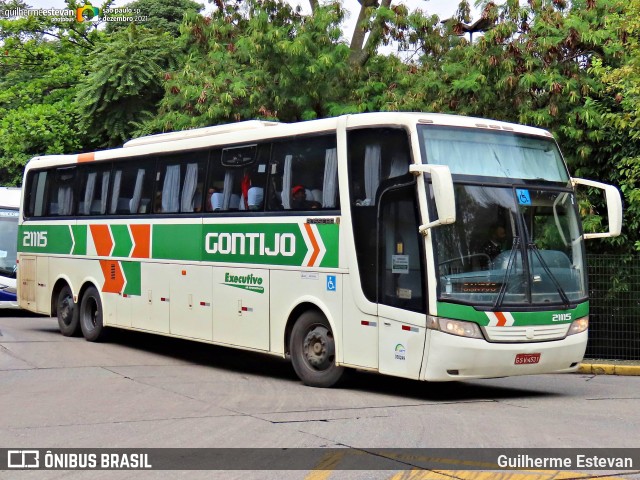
(614,207)
(443,194)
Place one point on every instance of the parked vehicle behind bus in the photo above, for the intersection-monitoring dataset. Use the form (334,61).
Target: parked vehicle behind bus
(352,242)
(9,207)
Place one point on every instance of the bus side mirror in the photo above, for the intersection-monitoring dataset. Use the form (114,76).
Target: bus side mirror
(614,207)
(442,192)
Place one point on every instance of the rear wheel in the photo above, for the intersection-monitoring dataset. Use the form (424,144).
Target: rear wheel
(313,351)
(67,310)
(91,316)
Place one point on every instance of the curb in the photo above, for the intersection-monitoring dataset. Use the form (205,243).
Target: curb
(609,369)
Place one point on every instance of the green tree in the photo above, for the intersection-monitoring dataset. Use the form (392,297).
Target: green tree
(620,109)
(536,65)
(124,83)
(40,66)
(260,60)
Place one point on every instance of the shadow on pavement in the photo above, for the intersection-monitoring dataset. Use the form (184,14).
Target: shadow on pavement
(254,363)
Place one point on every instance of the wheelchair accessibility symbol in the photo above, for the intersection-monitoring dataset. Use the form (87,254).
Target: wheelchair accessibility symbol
(523,197)
(331,283)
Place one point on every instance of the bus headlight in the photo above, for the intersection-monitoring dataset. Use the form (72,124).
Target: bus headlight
(579,325)
(454,327)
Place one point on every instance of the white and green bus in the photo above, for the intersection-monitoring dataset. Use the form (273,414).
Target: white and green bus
(426,246)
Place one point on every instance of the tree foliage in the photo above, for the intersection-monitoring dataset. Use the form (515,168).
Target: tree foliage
(262,60)
(124,83)
(38,78)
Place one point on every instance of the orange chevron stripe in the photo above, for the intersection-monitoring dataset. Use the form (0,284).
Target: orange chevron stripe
(141,240)
(113,276)
(314,243)
(102,239)
(502,320)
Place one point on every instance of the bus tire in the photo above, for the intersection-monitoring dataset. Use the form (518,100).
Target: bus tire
(312,349)
(91,316)
(67,312)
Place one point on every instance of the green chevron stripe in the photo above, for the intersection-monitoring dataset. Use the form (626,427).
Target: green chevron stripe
(80,237)
(133,275)
(330,237)
(122,239)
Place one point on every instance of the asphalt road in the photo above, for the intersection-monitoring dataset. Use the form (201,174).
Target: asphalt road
(140,390)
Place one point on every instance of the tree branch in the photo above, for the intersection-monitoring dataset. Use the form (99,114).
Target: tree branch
(359,53)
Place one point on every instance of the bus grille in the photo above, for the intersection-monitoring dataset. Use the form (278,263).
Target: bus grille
(530,333)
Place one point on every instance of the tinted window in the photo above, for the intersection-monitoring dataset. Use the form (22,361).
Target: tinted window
(375,155)
(180,182)
(60,189)
(93,189)
(492,153)
(304,174)
(237,186)
(131,188)
(35,194)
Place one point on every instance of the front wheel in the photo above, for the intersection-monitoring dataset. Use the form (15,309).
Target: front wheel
(91,316)
(67,311)
(313,351)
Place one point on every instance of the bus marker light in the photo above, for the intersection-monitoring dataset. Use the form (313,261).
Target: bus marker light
(410,329)
(368,323)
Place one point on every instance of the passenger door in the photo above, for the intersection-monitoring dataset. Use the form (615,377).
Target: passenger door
(401,284)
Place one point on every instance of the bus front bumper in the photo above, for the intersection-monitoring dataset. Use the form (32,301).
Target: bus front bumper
(450,357)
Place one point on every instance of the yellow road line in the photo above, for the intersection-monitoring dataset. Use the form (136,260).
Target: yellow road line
(327,465)
(475,475)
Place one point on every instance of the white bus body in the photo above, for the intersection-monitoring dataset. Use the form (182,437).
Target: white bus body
(344,242)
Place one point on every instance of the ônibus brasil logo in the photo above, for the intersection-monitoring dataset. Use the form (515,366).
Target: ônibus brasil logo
(246,282)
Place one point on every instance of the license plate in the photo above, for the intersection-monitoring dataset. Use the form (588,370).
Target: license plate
(527,358)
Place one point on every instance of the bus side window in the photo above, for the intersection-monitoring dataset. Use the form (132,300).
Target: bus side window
(238,188)
(93,189)
(35,194)
(61,190)
(376,155)
(131,188)
(304,175)
(180,181)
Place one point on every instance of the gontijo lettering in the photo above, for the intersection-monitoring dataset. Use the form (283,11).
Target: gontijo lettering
(251,244)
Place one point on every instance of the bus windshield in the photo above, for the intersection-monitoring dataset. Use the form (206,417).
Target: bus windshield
(492,153)
(8,245)
(511,246)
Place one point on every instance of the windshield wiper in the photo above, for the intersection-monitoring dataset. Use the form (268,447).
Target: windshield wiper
(505,282)
(546,268)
